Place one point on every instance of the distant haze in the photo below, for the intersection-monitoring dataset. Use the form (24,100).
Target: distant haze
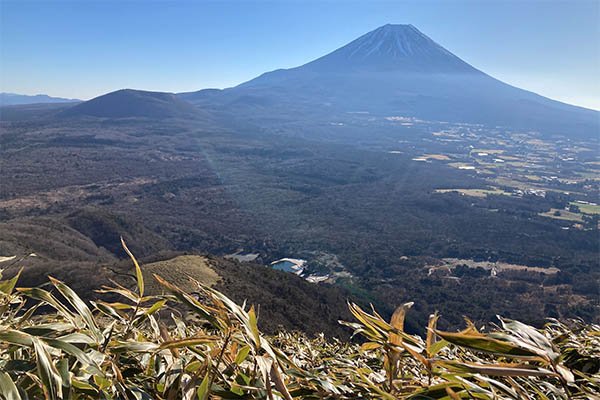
(392,70)
(11,99)
(84,49)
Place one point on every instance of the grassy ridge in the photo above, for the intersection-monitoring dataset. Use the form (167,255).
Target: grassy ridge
(141,347)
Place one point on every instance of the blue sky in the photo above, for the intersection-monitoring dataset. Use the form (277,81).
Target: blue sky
(86,48)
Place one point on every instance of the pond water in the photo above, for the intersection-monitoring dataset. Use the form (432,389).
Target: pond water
(285,265)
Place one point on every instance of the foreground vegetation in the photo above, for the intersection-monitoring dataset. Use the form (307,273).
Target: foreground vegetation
(150,347)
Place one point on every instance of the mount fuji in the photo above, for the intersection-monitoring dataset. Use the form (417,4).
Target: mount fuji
(398,70)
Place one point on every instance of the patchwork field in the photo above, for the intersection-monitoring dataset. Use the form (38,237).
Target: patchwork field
(563,215)
(475,192)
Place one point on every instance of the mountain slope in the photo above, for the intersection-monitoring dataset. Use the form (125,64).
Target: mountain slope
(128,103)
(12,99)
(397,70)
(68,249)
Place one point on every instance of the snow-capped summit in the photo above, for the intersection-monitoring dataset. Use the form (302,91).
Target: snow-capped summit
(395,41)
(393,47)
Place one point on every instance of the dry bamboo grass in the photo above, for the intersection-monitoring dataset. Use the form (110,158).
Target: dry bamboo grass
(142,348)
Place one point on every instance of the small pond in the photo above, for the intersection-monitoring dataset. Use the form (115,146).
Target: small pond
(285,265)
